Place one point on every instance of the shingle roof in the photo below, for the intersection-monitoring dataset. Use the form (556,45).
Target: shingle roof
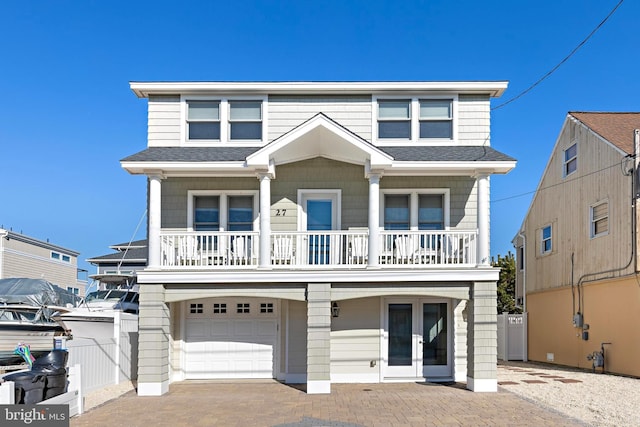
(238,154)
(133,254)
(617,128)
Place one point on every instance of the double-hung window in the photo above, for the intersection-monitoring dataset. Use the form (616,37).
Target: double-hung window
(203,120)
(394,119)
(600,219)
(436,118)
(430,212)
(245,120)
(396,212)
(240,216)
(571,159)
(206,213)
(546,240)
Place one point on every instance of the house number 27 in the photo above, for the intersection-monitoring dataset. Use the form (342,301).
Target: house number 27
(281,212)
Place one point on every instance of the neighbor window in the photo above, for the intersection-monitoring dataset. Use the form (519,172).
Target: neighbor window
(436,118)
(571,159)
(600,219)
(546,246)
(394,119)
(245,120)
(203,119)
(60,257)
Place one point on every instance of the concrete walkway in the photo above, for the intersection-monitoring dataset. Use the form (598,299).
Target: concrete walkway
(349,405)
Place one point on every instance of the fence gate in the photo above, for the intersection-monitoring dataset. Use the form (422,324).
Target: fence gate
(512,337)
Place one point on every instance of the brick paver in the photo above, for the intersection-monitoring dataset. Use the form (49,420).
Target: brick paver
(349,405)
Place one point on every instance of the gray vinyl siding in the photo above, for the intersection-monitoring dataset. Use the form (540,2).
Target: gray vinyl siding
(287,112)
(175,193)
(297,343)
(462,197)
(473,119)
(355,337)
(164,121)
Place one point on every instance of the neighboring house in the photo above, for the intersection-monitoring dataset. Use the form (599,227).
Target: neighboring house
(128,258)
(24,256)
(318,233)
(576,250)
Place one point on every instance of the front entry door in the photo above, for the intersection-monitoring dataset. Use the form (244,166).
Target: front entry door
(319,217)
(418,342)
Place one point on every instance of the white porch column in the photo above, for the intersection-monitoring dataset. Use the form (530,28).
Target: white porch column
(374,219)
(155,193)
(265,220)
(483,219)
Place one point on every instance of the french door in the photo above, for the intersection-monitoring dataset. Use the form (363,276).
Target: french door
(417,339)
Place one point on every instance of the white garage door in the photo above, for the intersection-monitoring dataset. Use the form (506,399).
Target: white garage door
(230,338)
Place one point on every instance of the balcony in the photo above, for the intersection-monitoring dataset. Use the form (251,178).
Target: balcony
(190,250)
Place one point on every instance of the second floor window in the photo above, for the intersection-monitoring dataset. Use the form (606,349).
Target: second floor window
(396,212)
(206,214)
(599,219)
(203,119)
(226,212)
(240,213)
(430,212)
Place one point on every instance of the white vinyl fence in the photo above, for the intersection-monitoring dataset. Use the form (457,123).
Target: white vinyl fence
(107,361)
(512,337)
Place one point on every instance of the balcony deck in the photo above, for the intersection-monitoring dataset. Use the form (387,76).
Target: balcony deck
(190,250)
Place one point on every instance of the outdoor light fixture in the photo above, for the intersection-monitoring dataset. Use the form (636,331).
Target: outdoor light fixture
(335,309)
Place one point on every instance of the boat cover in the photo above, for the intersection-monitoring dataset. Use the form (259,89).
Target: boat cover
(36,292)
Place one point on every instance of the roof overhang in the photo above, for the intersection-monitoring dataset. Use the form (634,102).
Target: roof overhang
(145,89)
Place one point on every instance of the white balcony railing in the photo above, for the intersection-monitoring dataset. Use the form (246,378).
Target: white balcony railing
(317,249)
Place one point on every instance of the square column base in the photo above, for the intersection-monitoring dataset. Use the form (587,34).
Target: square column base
(153,389)
(482,385)
(318,387)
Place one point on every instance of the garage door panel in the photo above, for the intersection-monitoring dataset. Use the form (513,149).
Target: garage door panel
(238,346)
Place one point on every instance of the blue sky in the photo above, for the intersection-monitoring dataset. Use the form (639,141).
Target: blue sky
(68,115)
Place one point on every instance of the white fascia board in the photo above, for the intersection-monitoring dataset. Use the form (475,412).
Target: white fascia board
(168,168)
(449,168)
(144,89)
(376,275)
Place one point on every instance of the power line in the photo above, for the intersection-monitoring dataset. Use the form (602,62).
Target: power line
(561,62)
(559,183)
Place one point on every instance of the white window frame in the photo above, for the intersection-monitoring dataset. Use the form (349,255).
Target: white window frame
(60,257)
(415,119)
(565,162)
(413,194)
(542,239)
(593,220)
(223,206)
(224,121)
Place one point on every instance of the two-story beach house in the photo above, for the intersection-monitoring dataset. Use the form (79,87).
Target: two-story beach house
(577,248)
(318,233)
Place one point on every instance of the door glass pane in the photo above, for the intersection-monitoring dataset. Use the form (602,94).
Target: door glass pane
(434,341)
(400,335)
(319,217)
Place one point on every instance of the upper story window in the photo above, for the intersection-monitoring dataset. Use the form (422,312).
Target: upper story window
(60,257)
(415,209)
(203,119)
(570,159)
(436,118)
(546,240)
(245,120)
(415,119)
(396,212)
(600,219)
(225,120)
(218,211)
(430,212)
(394,118)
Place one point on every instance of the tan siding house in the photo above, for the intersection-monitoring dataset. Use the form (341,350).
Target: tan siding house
(318,233)
(577,248)
(24,256)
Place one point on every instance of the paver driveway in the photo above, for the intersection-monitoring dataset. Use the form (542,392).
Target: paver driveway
(275,404)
